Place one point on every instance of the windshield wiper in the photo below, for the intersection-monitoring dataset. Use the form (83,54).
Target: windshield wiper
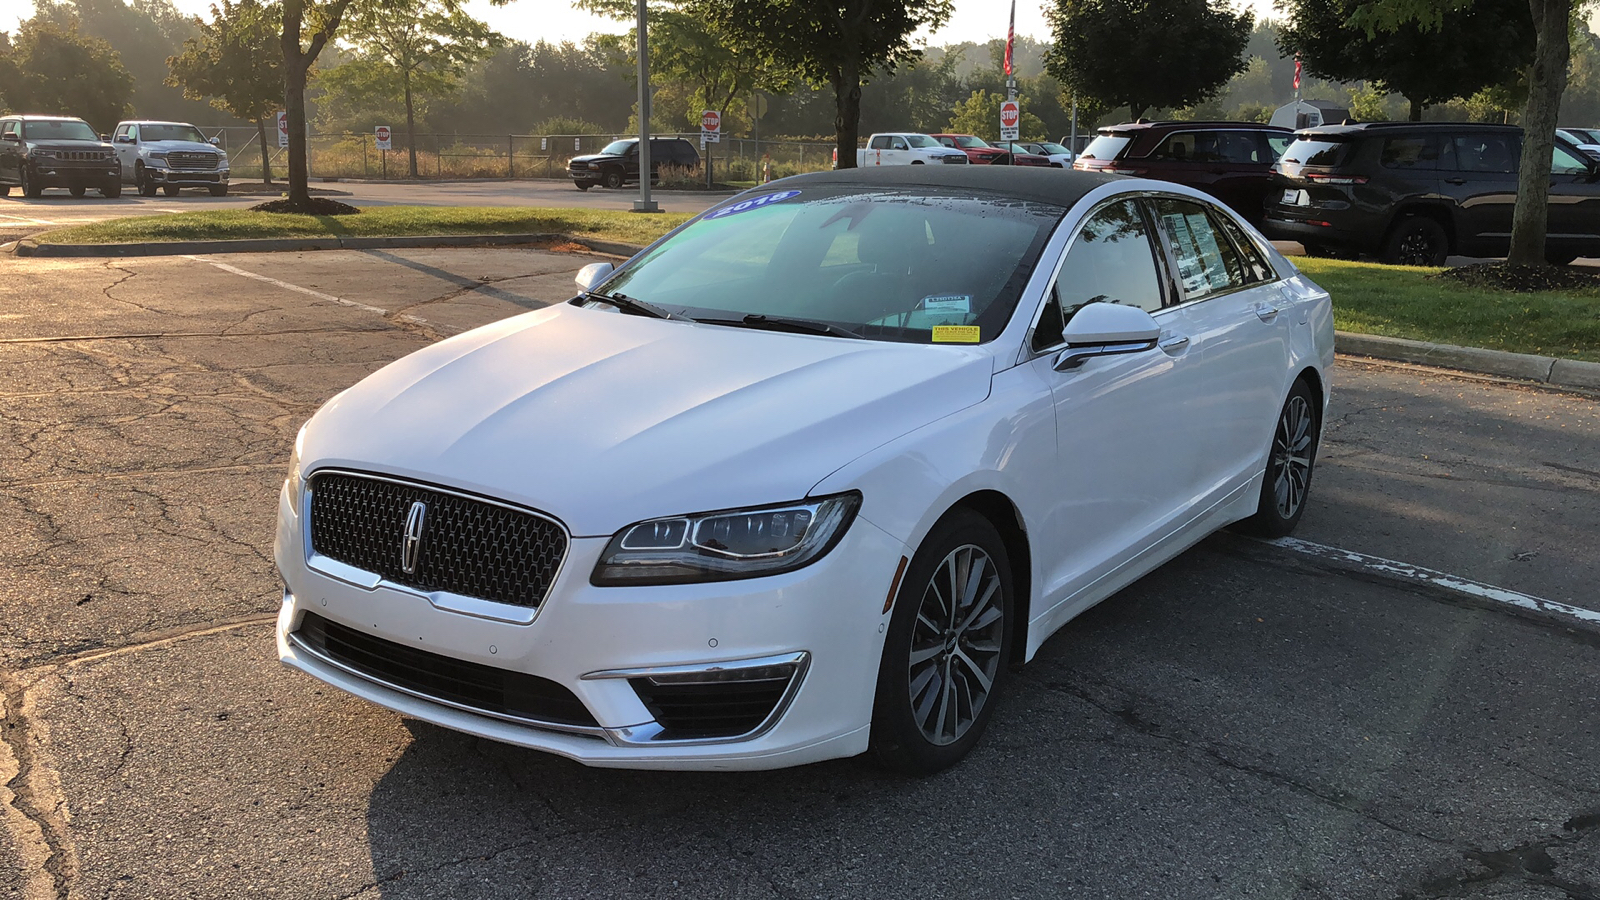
(638,307)
(784,323)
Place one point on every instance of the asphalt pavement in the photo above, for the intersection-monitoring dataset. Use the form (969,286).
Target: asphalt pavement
(1247,722)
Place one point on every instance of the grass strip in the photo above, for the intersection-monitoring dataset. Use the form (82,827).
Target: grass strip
(376,221)
(1401,301)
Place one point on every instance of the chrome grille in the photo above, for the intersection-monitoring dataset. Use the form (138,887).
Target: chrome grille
(466,546)
(956,160)
(83,156)
(192,160)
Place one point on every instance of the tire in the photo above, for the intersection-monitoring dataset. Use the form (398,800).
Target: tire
(77,191)
(1559,257)
(613,178)
(927,675)
(917,162)
(171,190)
(146,187)
(112,189)
(1323,251)
(1290,461)
(30,188)
(5,190)
(218,190)
(583,185)
(1416,241)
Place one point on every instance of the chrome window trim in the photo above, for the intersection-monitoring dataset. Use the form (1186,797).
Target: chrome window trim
(445,600)
(645,735)
(586,730)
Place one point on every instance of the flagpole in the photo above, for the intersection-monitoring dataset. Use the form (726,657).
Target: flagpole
(1011,74)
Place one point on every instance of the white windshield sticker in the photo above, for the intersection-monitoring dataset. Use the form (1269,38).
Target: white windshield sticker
(752,203)
(949,303)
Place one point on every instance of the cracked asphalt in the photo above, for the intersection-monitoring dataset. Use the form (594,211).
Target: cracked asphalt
(1245,722)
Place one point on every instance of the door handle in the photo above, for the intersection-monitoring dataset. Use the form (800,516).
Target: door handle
(1455,181)
(1266,312)
(1174,342)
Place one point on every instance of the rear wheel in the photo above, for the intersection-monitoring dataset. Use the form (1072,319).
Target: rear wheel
(1416,241)
(5,190)
(944,655)
(1559,257)
(1289,463)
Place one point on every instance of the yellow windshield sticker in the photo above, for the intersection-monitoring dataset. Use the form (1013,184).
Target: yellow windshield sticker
(955,334)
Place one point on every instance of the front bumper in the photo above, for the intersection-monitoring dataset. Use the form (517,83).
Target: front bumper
(49,174)
(185,177)
(828,617)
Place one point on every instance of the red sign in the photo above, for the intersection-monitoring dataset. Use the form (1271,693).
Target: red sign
(1010,114)
(383,132)
(711,120)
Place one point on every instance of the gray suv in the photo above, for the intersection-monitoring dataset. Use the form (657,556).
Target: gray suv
(38,152)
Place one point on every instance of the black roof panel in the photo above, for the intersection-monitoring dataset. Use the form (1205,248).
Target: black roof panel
(1062,187)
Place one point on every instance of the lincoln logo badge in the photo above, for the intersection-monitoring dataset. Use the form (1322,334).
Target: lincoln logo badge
(411,541)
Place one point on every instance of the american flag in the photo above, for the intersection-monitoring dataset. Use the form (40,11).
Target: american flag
(1011,32)
(1296,69)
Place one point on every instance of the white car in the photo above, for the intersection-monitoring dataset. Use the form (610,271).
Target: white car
(804,477)
(169,156)
(1058,154)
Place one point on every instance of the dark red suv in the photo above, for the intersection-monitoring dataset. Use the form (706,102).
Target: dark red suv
(1231,161)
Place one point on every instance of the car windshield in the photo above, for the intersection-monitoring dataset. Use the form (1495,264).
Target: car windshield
(1318,151)
(886,264)
(619,148)
(1052,149)
(1106,146)
(968,141)
(49,130)
(921,140)
(171,133)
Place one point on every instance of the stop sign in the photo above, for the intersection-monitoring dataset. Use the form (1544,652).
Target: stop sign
(1010,114)
(711,120)
(383,133)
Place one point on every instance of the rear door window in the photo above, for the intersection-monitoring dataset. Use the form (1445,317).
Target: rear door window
(881,142)
(1206,261)
(1562,162)
(1418,151)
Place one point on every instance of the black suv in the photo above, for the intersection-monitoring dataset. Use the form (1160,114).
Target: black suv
(1414,193)
(1228,160)
(618,163)
(38,152)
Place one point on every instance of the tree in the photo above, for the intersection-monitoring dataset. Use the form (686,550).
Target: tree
(56,70)
(235,61)
(1547,81)
(414,48)
(321,19)
(840,43)
(979,114)
(687,45)
(143,33)
(1469,50)
(1145,53)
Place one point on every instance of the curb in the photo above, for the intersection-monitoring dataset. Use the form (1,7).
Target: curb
(1549,370)
(28,247)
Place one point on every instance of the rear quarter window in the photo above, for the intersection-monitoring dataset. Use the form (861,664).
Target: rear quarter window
(1106,146)
(1318,151)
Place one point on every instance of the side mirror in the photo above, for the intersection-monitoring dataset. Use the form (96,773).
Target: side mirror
(11,136)
(213,142)
(590,276)
(124,138)
(106,138)
(1106,329)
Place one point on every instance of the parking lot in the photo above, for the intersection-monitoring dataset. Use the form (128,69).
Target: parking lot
(1249,721)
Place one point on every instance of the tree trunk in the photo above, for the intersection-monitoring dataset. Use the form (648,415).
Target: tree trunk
(411,126)
(294,103)
(1547,80)
(1416,110)
(266,155)
(847,115)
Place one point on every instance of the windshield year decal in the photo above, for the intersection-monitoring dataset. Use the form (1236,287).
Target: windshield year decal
(752,203)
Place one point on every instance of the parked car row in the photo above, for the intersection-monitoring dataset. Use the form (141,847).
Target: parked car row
(42,152)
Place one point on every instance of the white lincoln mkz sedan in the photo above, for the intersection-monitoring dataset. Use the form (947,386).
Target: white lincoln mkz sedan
(806,477)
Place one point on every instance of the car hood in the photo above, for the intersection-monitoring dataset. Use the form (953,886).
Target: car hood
(181,146)
(602,419)
(68,145)
(597,157)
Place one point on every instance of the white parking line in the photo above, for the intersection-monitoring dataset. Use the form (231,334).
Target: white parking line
(1408,572)
(30,221)
(417,320)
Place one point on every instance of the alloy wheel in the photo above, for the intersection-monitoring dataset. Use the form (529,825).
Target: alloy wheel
(1416,249)
(1291,456)
(956,644)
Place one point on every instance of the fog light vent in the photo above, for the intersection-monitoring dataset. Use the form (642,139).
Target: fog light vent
(719,703)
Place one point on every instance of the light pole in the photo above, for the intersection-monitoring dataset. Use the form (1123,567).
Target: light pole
(644,203)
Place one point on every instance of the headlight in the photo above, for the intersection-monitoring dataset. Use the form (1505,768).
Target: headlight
(293,484)
(43,154)
(157,155)
(721,546)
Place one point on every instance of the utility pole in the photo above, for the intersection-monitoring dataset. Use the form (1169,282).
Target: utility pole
(644,204)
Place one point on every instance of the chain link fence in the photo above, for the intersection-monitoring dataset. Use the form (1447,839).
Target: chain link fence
(466,156)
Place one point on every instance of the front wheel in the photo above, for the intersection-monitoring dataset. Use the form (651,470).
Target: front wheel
(1559,257)
(1416,241)
(944,655)
(112,189)
(583,185)
(77,190)
(1287,482)
(147,188)
(30,187)
(171,190)
(219,190)
(613,179)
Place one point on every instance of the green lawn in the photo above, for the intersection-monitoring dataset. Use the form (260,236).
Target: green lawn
(612,225)
(1401,301)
